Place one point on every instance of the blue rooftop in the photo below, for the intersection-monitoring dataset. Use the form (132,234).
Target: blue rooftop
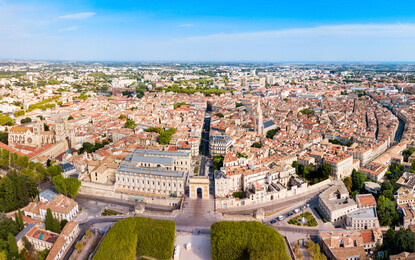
(66,167)
(151,171)
(24,231)
(48,195)
(160,153)
(268,123)
(149,159)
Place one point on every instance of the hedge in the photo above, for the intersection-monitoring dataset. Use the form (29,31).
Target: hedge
(246,240)
(138,236)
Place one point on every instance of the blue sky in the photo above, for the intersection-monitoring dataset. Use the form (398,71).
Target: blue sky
(274,31)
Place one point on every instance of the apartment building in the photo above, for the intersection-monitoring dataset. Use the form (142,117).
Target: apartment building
(219,144)
(349,244)
(335,203)
(67,235)
(361,219)
(61,206)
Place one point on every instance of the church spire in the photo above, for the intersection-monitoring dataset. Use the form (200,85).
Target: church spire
(259,124)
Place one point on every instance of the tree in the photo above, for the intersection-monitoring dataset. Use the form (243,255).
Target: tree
(16,191)
(72,185)
(153,129)
(54,170)
(79,246)
(68,186)
(405,240)
(19,113)
(387,213)
(408,152)
(8,226)
(246,240)
(314,250)
(256,145)
(130,124)
(217,162)
(395,171)
(27,243)
(13,249)
(324,171)
(358,180)
(380,200)
(3,255)
(165,136)
(4,138)
(219,115)
(19,219)
(26,120)
(22,162)
(348,183)
(51,223)
(60,184)
(43,254)
(87,147)
(388,194)
(138,237)
(63,223)
(5,119)
(386,185)
(122,116)
(70,117)
(177,105)
(272,132)
(48,219)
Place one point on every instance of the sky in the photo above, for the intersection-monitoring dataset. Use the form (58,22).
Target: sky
(211,31)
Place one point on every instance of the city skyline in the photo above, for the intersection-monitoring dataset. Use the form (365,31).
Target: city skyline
(212,32)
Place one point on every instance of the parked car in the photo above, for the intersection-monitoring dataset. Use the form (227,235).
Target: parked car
(302,207)
(290,213)
(307,205)
(280,218)
(273,221)
(296,210)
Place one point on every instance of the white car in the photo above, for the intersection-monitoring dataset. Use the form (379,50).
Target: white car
(296,210)
(280,218)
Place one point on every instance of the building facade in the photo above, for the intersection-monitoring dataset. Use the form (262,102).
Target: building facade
(153,173)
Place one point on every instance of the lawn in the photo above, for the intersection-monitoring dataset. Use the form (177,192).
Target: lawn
(109,212)
(311,221)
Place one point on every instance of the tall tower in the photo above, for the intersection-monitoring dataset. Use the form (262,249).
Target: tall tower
(259,124)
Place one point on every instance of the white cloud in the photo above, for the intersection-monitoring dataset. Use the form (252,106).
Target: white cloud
(67,29)
(77,16)
(186,25)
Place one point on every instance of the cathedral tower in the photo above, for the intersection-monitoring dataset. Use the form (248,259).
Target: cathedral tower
(259,124)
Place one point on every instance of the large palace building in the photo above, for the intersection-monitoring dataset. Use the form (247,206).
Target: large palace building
(153,173)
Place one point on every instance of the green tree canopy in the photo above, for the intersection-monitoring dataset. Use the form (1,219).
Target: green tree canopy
(26,120)
(138,237)
(68,186)
(256,145)
(13,249)
(51,223)
(246,240)
(358,180)
(387,213)
(130,124)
